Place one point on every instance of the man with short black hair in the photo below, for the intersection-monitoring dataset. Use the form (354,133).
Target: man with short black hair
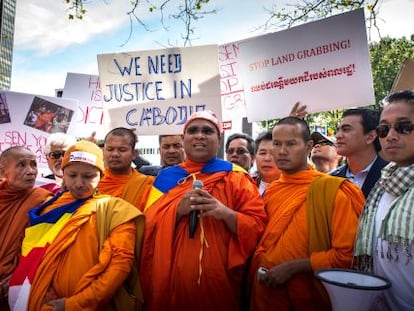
(357,140)
(385,242)
(171,153)
(120,179)
(240,150)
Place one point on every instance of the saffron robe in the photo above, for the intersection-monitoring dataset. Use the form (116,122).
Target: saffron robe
(172,263)
(287,238)
(74,268)
(14,206)
(133,187)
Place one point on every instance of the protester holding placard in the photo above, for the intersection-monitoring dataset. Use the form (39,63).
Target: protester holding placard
(197,263)
(18,170)
(120,179)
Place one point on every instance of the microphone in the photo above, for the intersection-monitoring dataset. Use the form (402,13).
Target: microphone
(197,184)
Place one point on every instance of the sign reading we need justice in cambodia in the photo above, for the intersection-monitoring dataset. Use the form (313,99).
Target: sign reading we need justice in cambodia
(156,91)
(323,64)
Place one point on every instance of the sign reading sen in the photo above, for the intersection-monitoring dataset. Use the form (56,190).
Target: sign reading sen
(156,91)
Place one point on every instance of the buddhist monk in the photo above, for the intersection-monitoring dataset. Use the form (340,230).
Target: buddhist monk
(18,169)
(80,246)
(303,206)
(202,269)
(120,179)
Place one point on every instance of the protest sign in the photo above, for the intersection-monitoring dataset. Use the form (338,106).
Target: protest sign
(156,91)
(405,77)
(27,120)
(89,114)
(323,64)
(232,93)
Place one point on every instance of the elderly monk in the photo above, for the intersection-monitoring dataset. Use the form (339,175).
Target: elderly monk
(80,246)
(200,270)
(120,179)
(313,218)
(18,168)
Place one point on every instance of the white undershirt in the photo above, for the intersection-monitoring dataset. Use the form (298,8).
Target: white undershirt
(401,294)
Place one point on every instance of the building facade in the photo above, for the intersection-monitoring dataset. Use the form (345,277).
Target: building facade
(7,14)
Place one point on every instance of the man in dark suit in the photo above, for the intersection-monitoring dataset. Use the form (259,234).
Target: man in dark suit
(357,140)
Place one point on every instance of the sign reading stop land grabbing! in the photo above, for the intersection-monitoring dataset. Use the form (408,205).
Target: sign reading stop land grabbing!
(323,64)
(156,91)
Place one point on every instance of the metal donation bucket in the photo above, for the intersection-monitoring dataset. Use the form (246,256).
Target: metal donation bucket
(350,289)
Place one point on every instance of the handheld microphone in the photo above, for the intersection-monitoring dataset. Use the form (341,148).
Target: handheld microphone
(197,184)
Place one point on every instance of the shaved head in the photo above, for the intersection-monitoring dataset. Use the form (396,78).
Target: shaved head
(18,167)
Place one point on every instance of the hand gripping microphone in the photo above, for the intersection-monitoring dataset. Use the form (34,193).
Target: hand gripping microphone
(197,184)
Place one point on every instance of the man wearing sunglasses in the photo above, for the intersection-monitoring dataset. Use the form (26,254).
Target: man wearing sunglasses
(385,241)
(356,139)
(324,155)
(240,150)
(56,145)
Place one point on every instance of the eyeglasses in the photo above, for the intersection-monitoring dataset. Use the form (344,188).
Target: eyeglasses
(401,127)
(56,154)
(323,143)
(239,151)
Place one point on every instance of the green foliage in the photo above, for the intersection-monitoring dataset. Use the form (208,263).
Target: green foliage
(386,59)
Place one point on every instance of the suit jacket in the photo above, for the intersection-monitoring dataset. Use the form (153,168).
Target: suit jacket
(373,175)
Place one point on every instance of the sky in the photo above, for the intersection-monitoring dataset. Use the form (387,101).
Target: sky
(47,45)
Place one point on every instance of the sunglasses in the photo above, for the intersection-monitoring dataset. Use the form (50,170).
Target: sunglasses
(323,143)
(401,127)
(239,151)
(56,154)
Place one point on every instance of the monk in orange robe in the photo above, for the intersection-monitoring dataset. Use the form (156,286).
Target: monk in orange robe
(203,271)
(80,247)
(120,179)
(18,169)
(313,219)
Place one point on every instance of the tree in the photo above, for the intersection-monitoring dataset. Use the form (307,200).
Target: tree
(189,11)
(186,11)
(289,15)
(386,59)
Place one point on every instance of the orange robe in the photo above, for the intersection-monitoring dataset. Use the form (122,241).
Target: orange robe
(74,268)
(170,262)
(287,238)
(14,206)
(133,187)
